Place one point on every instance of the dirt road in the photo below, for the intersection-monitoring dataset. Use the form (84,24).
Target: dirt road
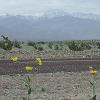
(49,65)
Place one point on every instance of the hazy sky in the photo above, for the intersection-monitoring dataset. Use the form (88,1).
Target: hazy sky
(37,7)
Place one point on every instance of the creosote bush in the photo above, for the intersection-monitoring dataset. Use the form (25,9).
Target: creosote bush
(78,46)
(6,44)
(16,44)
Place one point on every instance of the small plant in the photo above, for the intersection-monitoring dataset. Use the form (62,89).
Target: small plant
(56,47)
(30,43)
(27,83)
(39,61)
(43,89)
(14,59)
(27,80)
(17,44)
(93,72)
(50,45)
(40,48)
(6,44)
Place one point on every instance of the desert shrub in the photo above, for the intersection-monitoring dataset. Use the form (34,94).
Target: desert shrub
(74,46)
(41,42)
(43,89)
(31,43)
(61,46)
(1,44)
(17,44)
(6,44)
(85,46)
(98,45)
(79,46)
(50,45)
(35,46)
(40,48)
(56,47)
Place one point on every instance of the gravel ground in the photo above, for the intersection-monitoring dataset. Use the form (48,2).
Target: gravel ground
(22,54)
(50,86)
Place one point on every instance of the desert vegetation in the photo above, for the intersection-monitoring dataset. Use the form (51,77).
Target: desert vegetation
(50,86)
(49,49)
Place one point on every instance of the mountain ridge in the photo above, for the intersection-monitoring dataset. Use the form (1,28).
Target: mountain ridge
(49,28)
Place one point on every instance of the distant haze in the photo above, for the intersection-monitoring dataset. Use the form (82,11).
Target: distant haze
(57,27)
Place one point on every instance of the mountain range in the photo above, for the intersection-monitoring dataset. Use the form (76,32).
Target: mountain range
(56,25)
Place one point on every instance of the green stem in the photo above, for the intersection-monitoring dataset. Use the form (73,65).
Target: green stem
(93,85)
(93,90)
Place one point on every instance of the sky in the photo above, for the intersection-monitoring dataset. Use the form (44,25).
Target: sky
(38,7)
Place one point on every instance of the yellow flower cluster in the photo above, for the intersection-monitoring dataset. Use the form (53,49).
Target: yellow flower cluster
(39,61)
(93,71)
(27,68)
(14,59)
(30,68)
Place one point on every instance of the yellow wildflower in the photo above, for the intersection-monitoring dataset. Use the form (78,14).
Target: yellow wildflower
(14,59)
(29,68)
(93,71)
(39,61)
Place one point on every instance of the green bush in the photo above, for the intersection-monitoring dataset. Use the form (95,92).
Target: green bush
(50,45)
(79,46)
(31,43)
(98,45)
(56,47)
(17,44)
(40,48)
(6,44)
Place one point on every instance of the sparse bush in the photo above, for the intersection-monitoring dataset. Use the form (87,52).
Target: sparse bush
(6,44)
(74,46)
(50,45)
(16,44)
(40,48)
(43,89)
(79,46)
(28,85)
(1,44)
(41,42)
(85,46)
(98,45)
(56,47)
(31,43)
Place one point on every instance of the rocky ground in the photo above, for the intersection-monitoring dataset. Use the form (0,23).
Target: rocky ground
(22,54)
(50,86)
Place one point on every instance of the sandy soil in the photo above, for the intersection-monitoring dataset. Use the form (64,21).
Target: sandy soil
(50,86)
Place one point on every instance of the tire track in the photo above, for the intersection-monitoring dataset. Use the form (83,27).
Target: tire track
(49,65)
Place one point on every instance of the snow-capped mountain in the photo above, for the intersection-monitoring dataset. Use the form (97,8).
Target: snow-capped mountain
(86,16)
(52,25)
(56,13)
